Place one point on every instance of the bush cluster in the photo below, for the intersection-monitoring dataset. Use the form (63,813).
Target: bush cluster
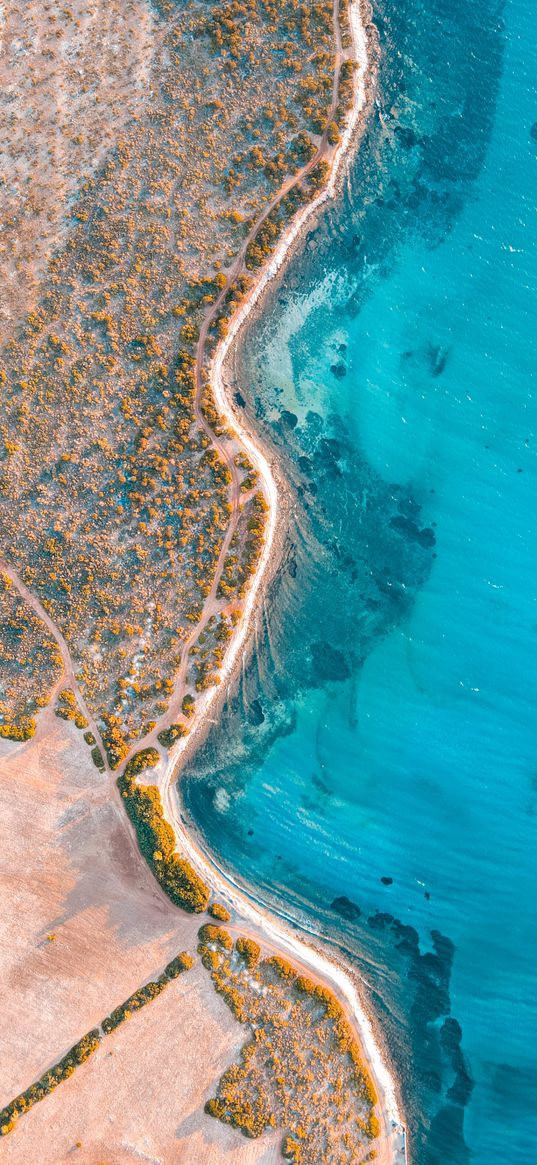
(156,837)
(24,729)
(97,758)
(50,1080)
(67,708)
(214,934)
(149,991)
(168,736)
(218,911)
(249,950)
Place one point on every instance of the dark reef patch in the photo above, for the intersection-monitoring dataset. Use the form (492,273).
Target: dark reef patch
(256,715)
(445,1143)
(410,530)
(328,663)
(345,908)
(438,358)
(288,419)
(367,544)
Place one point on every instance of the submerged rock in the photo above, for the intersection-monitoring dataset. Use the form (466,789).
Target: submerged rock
(256,715)
(328,663)
(410,530)
(345,908)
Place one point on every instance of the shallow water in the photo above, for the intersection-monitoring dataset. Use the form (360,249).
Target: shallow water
(386,726)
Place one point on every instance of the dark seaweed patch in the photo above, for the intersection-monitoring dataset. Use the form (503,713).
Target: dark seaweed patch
(345,908)
(328,663)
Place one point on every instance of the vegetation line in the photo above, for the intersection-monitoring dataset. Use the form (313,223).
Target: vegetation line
(85,1047)
(156,837)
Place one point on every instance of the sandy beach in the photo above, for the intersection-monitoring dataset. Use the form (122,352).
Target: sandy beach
(73,908)
(84,925)
(220,372)
(301,952)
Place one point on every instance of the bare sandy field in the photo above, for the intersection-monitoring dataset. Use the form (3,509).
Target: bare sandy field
(69,867)
(141,1096)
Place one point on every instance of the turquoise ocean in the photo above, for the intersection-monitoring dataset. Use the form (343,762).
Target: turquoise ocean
(376,772)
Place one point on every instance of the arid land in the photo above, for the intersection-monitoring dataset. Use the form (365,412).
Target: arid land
(84,925)
(128,508)
(134,521)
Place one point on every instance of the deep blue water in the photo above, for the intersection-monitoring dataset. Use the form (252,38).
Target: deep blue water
(386,726)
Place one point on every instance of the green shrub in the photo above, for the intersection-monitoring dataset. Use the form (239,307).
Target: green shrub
(215,934)
(182,962)
(249,950)
(218,911)
(146,758)
(332,134)
(188,705)
(97,758)
(24,729)
(284,969)
(168,736)
(156,838)
(67,708)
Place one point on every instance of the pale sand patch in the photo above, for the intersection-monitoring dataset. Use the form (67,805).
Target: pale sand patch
(140,1097)
(71,77)
(69,866)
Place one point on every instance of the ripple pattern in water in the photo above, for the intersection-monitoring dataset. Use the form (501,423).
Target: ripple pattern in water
(379,761)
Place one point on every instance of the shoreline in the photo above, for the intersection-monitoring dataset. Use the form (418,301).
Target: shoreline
(272,483)
(274,929)
(304,951)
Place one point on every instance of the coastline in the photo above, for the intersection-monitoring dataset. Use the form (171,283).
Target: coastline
(305,952)
(338,974)
(273,485)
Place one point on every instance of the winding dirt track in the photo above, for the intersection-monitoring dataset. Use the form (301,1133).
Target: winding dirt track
(391,1147)
(223,446)
(68,679)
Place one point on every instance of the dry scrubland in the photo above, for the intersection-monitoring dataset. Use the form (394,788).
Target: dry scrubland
(71,76)
(124,505)
(158,155)
(302,1069)
(69,869)
(85,928)
(30,663)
